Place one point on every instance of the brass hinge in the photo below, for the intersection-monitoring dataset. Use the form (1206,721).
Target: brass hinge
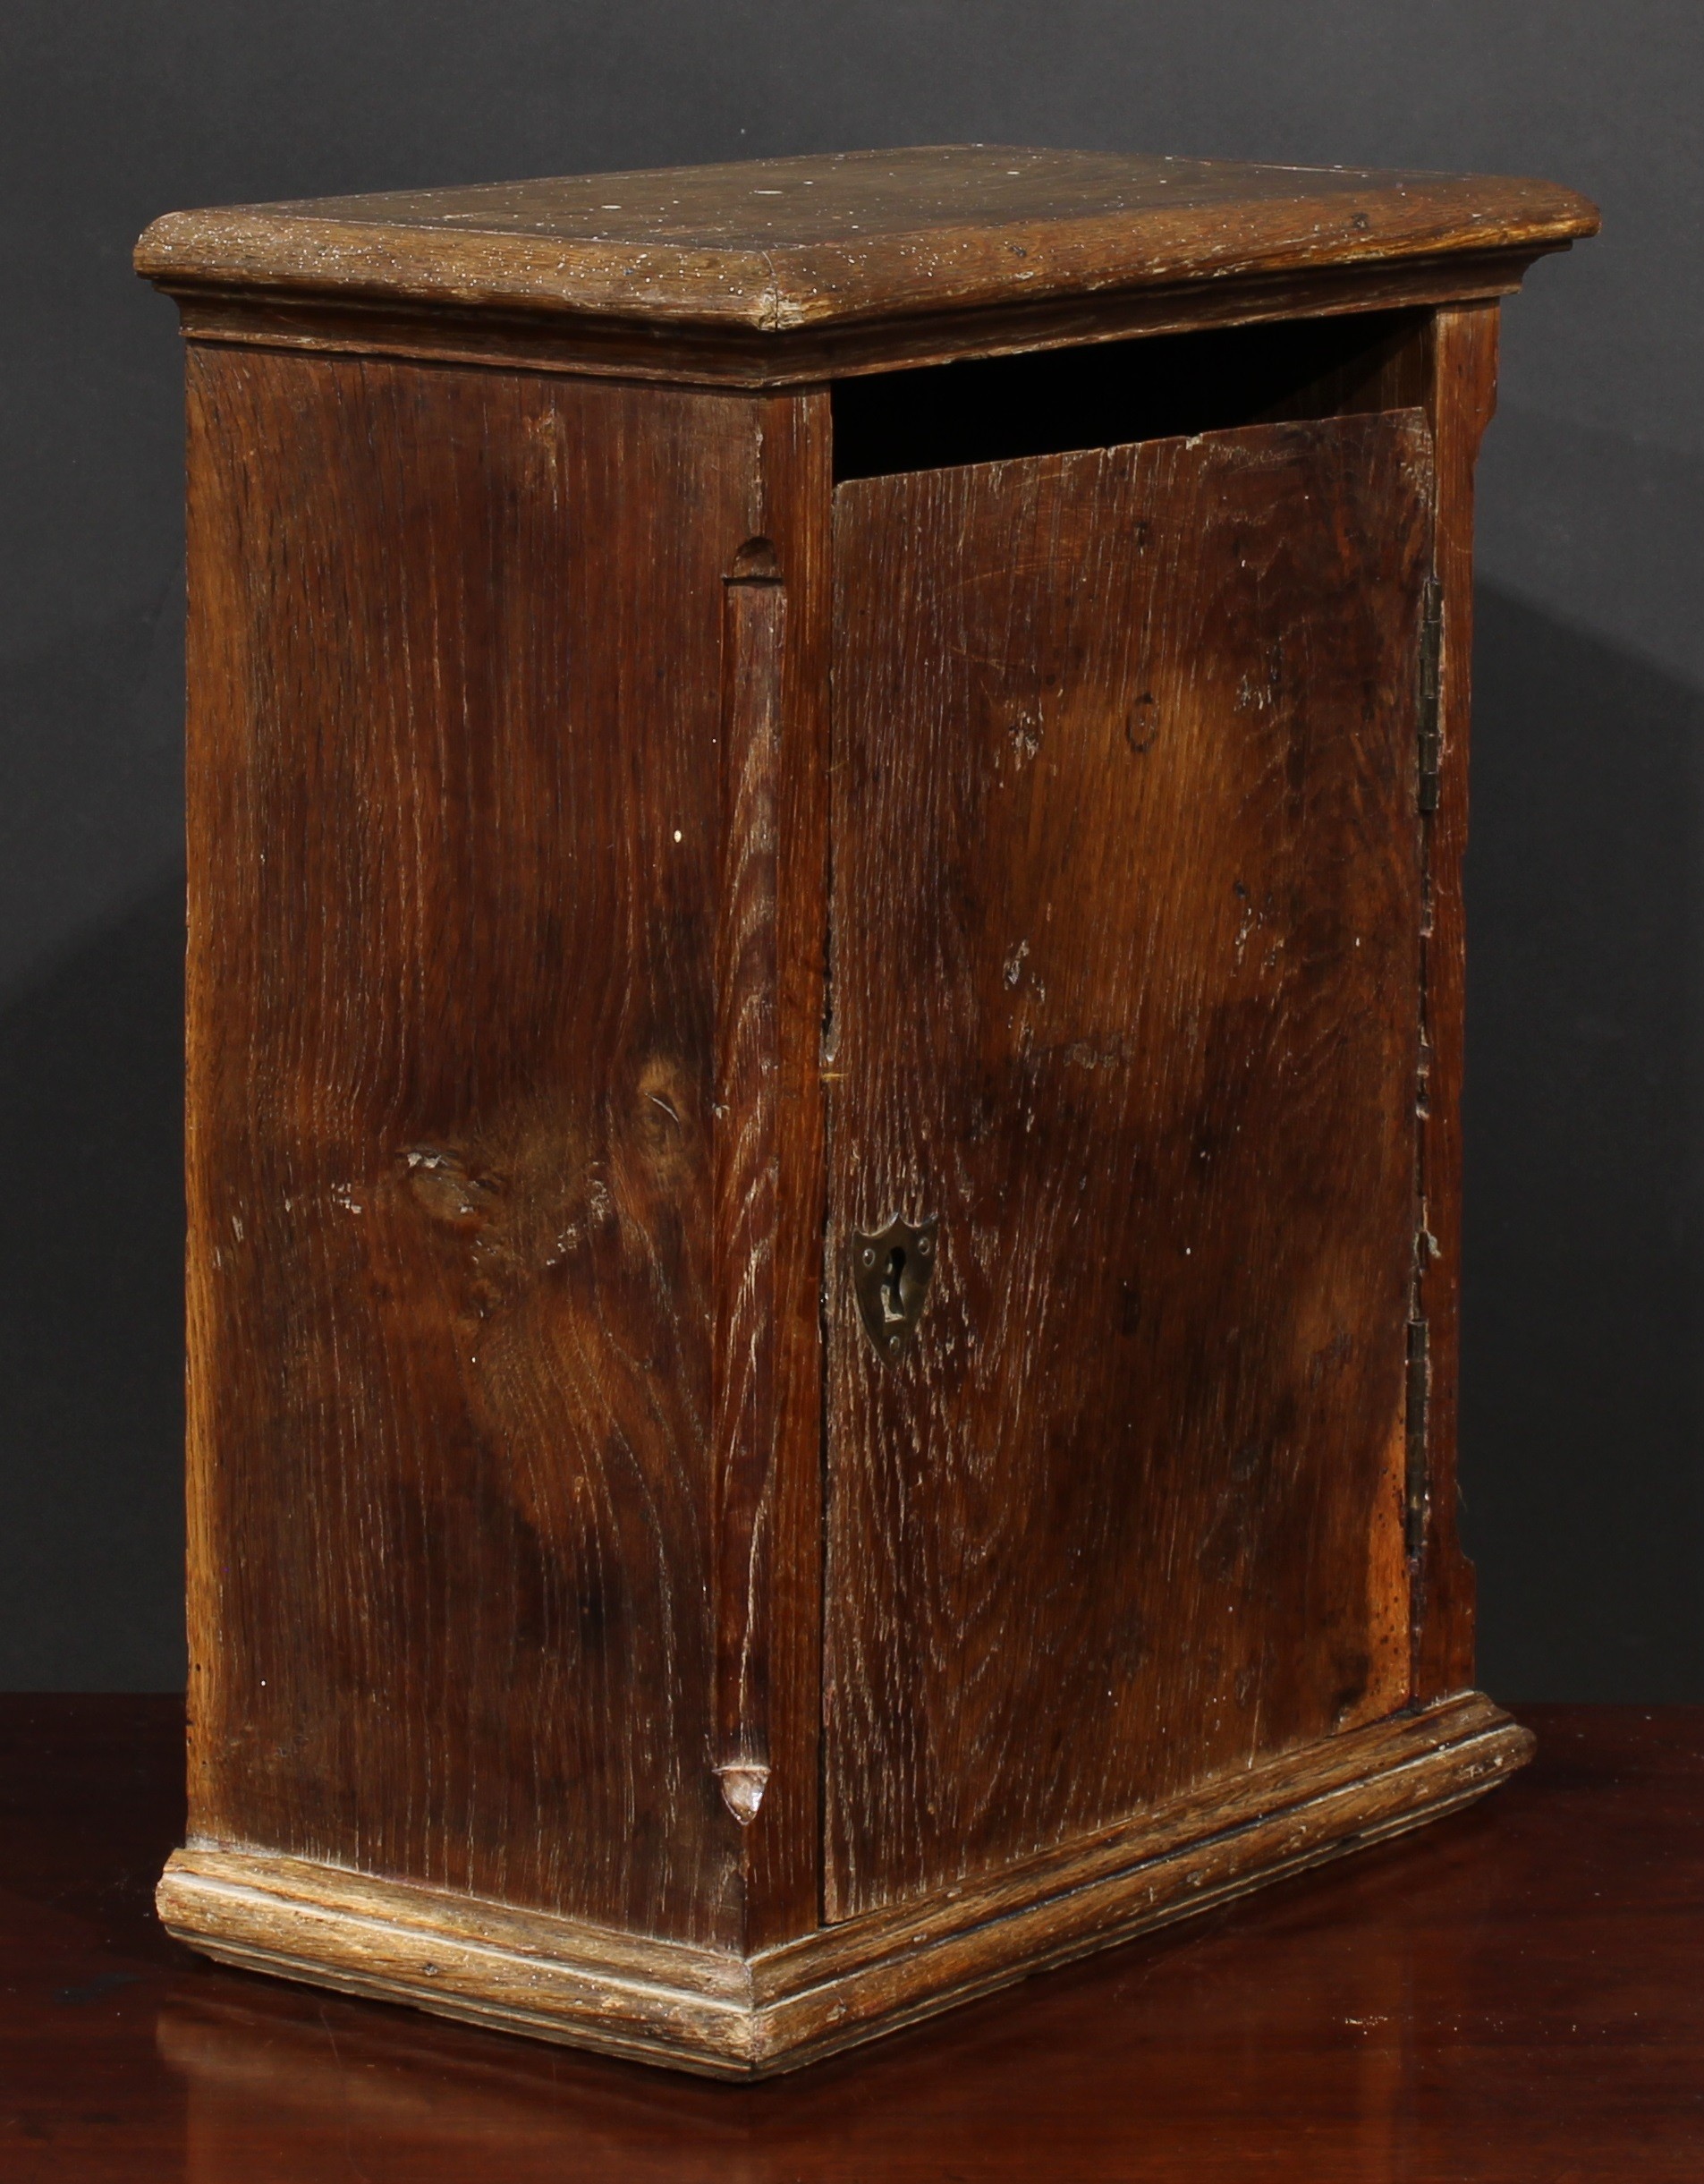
(1416,1497)
(1431,645)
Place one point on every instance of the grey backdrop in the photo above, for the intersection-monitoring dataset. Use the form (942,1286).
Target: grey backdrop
(1581,1470)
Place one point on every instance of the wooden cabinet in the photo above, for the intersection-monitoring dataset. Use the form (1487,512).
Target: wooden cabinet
(826,802)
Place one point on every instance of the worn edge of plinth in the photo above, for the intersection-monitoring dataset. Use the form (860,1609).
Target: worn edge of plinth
(707,2010)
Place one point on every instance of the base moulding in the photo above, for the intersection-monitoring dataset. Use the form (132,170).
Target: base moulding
(710,2010)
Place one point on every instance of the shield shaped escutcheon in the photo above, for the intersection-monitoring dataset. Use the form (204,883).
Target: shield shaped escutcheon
(891,1270)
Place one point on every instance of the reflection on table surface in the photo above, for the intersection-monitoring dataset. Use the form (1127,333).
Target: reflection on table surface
(1320,2041)
(1510,1994)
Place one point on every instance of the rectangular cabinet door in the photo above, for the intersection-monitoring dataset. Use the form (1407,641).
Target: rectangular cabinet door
(1127,1028)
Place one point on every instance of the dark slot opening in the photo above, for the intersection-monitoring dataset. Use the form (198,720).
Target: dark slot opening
(1106,394)
(892,1309)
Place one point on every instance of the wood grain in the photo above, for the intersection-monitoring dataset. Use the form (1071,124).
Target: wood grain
(785,243)
(747,1168)
(781,1848)
(456,870)
(1461,397)
(725,2015)
(647,824)
(1124,984)
(1512,1994)
(607,345)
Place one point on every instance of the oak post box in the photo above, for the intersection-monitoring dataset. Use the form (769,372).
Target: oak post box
(827,804)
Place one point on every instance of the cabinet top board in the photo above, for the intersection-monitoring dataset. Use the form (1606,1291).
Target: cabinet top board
(773,245)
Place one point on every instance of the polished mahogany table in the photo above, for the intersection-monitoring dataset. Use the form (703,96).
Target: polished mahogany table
(1516,1994)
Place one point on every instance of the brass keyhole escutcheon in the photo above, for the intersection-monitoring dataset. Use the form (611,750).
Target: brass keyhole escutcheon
(891,1270)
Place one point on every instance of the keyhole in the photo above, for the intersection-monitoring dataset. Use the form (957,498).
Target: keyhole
(892,1309)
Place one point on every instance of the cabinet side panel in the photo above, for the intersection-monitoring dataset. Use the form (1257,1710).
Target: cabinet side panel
(1126,993)
(454,709)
